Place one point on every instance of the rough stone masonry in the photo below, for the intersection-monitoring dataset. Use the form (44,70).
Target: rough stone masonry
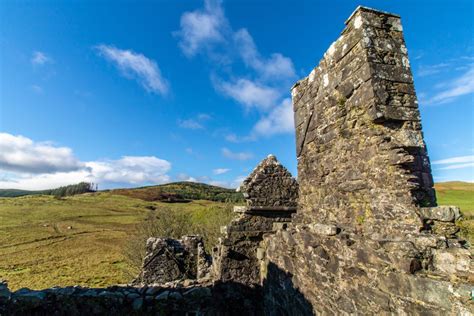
(367,236)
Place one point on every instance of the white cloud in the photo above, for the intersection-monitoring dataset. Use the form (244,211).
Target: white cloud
(277,67)
(236,155)
(428,70)
(185,177)
(460,162)
(130,169)
(194,123)
(267,80)
(21,154)
(249,93)
(279,120)
(40,58)
(201,28)
(136,66)
(219,171)
(460,159)
(203,117)
(25,164)
(458,166)
(190,124)
(463,85)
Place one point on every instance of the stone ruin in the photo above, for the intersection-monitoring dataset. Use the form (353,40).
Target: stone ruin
(368,237)
(271,197)
(360,233)
(169,259)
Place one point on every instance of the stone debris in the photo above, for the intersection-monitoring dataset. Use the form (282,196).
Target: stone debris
(207,298)
(323,229)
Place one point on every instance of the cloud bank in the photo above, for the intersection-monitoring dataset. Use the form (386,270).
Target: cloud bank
(25,164)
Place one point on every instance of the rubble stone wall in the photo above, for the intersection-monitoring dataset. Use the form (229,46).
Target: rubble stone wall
(361,155)
(270,185)
(367,237)
(209,298)
(170,259)
(271,195)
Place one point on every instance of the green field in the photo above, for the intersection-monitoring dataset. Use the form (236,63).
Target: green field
(460,194)
(47,241)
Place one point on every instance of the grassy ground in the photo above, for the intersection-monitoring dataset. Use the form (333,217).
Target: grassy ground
(46,241)
(460,194)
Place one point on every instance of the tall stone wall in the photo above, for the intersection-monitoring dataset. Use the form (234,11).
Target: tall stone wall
(361,155)
(360,242)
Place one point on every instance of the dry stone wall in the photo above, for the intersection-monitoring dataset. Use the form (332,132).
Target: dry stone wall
(270,185)
(271,195)
(174,259)
(368,237)
(208,298)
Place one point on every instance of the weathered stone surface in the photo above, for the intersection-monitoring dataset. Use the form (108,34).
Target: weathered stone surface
(363,167)
(323,229)
(441,213)
(453,260)
(271,194)
(270,185)
(208,298)
(170,259)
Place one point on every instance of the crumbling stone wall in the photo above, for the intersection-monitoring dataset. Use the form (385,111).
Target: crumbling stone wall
(174,259)
(271,195)
(367,237)
(270,185)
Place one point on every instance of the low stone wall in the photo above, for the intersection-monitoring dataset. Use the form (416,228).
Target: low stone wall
(168,299)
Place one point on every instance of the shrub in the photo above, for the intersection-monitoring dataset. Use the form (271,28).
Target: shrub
(168,223)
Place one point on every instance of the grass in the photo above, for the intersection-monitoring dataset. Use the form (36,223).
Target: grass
(46,241)
(460,194)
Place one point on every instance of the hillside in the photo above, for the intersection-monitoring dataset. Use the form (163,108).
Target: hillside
(16,193)
(171,192)
(182,192)
(84,239)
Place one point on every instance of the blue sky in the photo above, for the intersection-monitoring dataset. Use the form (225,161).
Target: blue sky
(132,93)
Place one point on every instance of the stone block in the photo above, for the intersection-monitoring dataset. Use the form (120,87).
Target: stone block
(453,260)
(441,213)
(323,229)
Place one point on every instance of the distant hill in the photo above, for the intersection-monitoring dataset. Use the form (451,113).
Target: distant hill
(16,193)
(182,192)
(68,190)
(454,185)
